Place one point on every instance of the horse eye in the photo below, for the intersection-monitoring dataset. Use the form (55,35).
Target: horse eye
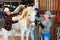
(29,14)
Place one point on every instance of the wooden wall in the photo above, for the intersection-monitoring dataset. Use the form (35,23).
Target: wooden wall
(48,4)
(54,6)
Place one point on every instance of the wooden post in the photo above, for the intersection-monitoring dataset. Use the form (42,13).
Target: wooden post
(58,14)
(39,4)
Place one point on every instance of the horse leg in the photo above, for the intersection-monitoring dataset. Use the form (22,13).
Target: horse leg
(22,34)
(27,34)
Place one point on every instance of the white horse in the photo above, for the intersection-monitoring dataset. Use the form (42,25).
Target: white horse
(27,18)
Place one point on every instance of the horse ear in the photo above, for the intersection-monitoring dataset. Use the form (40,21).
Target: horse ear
(30,8)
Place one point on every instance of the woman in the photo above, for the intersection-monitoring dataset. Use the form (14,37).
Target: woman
(45,35)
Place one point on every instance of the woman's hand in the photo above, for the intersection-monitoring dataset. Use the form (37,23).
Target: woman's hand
(39,23)
(14,18)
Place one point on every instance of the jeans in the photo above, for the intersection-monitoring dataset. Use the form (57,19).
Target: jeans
(5,34)
(45,36)
(32,26)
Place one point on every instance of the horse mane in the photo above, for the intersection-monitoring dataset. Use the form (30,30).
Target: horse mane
(26,10)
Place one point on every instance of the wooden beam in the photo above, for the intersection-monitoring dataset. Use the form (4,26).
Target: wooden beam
(39,4)
(58,13)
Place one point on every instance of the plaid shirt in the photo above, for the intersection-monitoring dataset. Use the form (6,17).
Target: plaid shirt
(8,22)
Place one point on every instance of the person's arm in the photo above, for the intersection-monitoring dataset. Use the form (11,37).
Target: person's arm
(17,9)
(14,20)
(38,19)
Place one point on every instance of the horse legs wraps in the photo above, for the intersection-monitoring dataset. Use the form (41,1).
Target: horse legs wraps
(27,34)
